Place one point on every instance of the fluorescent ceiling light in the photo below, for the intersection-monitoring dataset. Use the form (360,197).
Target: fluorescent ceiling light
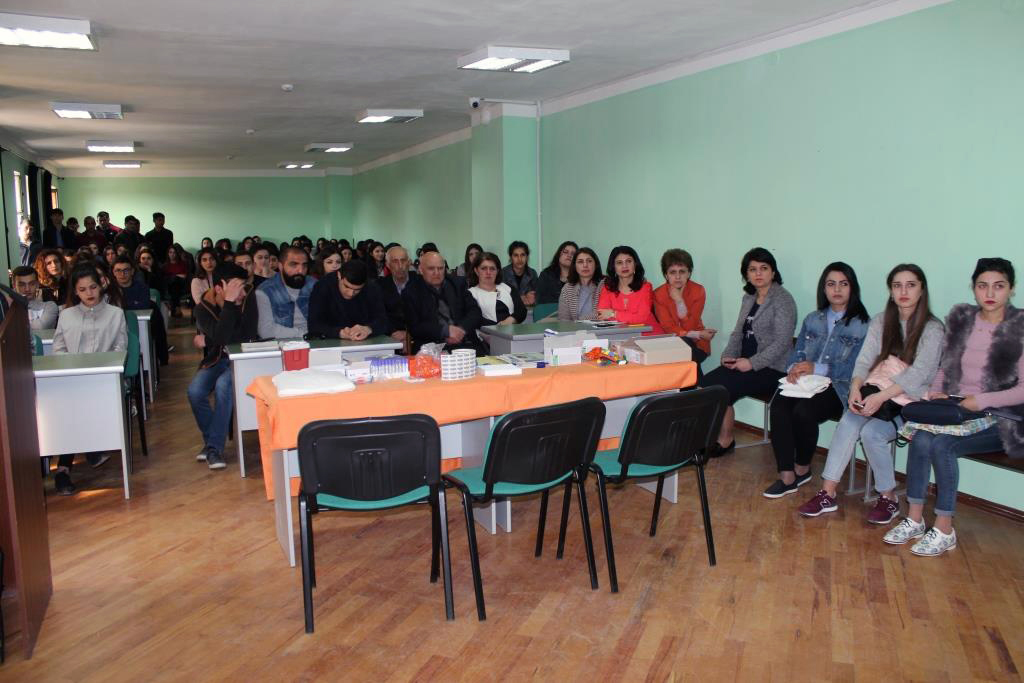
(125,147)
(526,60)
(122,164)
(306,166)
(292,165)
(81,110)
(389,115)
(32,31)
(328,146)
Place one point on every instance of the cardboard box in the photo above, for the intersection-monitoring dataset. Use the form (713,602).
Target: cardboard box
(572,345)
(656,350)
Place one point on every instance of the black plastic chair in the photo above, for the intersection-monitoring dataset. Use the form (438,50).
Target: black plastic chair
(533,451)
(372,463)
(662,434)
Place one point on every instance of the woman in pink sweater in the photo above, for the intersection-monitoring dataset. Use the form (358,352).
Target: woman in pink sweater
(983,363)
(626,296)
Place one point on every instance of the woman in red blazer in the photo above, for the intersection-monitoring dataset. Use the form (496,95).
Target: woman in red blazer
(679,302)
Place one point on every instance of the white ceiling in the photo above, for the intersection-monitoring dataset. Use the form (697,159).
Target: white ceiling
(193,75)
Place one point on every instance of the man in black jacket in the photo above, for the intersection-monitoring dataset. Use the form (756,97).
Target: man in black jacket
(440,309)
(56,235)
(392,286)
(226,314)
(160,238)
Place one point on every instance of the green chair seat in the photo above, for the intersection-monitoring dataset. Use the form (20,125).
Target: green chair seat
(473,478)
(339,503)
(609,463)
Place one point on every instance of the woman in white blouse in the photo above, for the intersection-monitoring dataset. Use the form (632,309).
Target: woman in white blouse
(500,303)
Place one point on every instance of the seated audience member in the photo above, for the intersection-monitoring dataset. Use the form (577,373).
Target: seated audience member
(246,244)
(223,246)
(261,263)
(500,303)
(147,268)
(552,278)
(755,356)
(376,260)
(346,304)
(578,298)
(626,296)
(42,315)
(983,363)
(320,244)
(111,292)
(134,292)
(130,238)
(391,288)
(827,345)
(28,242)
(91,235)
(243,260)
(346,253)
(206,243)
(327,261)
(227,257)
(206,261)
(52,271)
(88,325)
(899,358)
(464,269)
(519,274)
(175,276)
(679,303)
(283,300)
(106,228)
(439,309)
(109,255)
(226,314)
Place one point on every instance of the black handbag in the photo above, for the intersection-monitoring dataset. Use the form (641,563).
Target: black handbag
(886,412)
(941,411)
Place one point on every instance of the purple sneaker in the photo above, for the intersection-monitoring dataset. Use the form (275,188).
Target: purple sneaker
(885,511)
(822,502)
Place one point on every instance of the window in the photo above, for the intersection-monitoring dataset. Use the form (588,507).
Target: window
(53,197)
(19,202)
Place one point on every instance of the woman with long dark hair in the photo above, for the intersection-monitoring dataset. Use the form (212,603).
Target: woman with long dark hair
(827,346)
(375,259)
(206,260)
(983,362)
(626,295)
(551,280)
(473,251)
(578,298)
(898,360)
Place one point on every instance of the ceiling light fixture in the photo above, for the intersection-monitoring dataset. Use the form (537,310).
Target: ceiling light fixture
(292,165)
(389,115)
(122,164)
(328,146)
(125,147)
(526,60)
(80,110)
(32,31)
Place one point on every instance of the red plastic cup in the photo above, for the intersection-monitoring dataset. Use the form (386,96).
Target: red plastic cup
(296,359)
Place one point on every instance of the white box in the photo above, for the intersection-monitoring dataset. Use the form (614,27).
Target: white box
(566,355)
(657,350)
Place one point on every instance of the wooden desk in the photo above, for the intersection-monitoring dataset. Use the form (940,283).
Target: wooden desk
(146,345)
(529,337)
(80,405)
(46,336)
(248,365)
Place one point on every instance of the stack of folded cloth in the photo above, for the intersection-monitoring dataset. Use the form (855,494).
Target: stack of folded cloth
(805,386)
(311,381)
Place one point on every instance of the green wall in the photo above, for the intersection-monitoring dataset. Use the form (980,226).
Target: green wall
(900,141)
(274,207)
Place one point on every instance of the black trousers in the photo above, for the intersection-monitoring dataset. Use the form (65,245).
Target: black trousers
(742,384)
(794,424)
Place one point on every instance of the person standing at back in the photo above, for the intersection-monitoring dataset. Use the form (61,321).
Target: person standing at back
(160,238)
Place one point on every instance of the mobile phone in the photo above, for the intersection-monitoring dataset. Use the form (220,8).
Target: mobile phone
(859,404)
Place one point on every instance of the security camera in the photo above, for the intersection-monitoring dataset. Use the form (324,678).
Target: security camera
(474,102)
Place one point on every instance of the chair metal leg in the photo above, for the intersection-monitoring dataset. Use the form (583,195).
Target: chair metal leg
(128,428)
(311,510)
(435,538)
(446,555)
(606,523)
(588,541)
(702,488)
(306,544)
(141,419)
(657,504)
(565,519)
(474,557)
(540,524)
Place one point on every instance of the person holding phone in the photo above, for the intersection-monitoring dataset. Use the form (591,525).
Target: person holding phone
(755,356)
(901,350)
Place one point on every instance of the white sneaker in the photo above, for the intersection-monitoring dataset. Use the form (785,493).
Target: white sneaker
(934,543)
(201,455)
(906,530)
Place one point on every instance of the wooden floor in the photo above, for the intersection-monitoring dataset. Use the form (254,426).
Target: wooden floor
(186,582)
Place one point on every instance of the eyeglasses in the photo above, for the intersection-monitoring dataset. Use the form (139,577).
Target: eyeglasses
(122,271)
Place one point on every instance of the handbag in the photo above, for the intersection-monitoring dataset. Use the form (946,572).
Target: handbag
(940,411)
(888,411)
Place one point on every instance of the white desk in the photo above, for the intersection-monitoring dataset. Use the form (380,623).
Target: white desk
(46,336)
(529,337)
(146,345)
(80,405)
(466,440)
(248,365)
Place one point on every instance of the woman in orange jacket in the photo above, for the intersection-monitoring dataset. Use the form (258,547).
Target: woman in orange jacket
(679,302)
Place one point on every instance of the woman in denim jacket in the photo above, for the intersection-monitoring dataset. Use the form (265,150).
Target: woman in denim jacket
(827,345)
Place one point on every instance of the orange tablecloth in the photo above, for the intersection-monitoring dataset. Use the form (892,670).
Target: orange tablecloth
(280,419)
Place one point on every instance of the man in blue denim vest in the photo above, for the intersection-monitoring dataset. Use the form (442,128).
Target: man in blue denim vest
(283,300)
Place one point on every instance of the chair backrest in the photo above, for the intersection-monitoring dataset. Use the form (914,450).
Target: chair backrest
(154,296)
(541,445)
(371,458)
(37,345)
(541,311)
(131,363)
(668,429)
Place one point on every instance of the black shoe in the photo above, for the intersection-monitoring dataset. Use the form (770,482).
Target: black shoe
(62,482)
(97,459)
(802,479)
(717,450)
(779,489)
(214,460)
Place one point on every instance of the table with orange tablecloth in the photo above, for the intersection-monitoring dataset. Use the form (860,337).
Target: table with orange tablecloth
(450,403)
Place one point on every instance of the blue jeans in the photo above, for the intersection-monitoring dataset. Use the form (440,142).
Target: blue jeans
(875,435)
(939,452)
(213,422)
